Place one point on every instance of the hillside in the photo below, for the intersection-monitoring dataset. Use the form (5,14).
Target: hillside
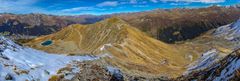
(130,49)
(221,63)
(19,63)
(168,25)
(226,69)
(171,25)
(229,32)
(24,25)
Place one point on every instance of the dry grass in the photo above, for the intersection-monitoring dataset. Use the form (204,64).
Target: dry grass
(132,50)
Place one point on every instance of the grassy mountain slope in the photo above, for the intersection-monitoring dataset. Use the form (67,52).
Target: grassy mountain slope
(168,25)
(40,24)
(130,49)
(173,25)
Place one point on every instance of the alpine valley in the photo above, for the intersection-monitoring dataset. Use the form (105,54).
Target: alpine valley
(180,44)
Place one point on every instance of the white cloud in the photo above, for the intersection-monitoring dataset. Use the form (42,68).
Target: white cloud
(18,6)
(133,2)
(140,6)
(176,4)
(108,3)
(78,9)
(201,1)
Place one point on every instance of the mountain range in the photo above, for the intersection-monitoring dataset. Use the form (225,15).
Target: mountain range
(199,44)
(219,68)
(129,47)
(167,25)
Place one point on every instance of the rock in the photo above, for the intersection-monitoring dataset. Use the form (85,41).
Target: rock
(9,77)
(3,56)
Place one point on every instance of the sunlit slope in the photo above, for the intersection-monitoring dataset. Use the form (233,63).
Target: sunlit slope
(130,49)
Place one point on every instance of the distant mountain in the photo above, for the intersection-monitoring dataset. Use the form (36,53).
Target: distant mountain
(40,24)
(171,25)
(168,25)
(131,50)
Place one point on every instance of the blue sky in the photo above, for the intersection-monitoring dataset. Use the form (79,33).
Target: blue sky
(99,7)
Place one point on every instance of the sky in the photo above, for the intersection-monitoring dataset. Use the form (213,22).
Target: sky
(100,7)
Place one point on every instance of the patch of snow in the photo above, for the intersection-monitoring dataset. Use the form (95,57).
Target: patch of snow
(104,46)
(190,57)
(69,76)
(39,65)
(206,60)
(228,71)
(230,32)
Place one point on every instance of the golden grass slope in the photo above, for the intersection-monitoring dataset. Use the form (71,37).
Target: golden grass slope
(130,49)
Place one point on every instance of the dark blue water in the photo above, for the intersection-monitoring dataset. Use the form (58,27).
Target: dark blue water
(46,43)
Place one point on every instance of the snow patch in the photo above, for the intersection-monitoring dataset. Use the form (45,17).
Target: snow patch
(230,32)
(29,64)
(104,46)
(206,60)
(228,72)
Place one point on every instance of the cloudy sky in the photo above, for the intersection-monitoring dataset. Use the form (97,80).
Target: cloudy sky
(98,7)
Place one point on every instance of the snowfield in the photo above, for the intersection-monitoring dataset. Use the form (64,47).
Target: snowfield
(230,32)
(22,63)
(229,70)
(207,59)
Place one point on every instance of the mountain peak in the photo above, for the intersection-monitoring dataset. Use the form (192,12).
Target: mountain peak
(128,47)
(114,20)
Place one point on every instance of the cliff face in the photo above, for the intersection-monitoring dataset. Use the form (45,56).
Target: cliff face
(130,49)
(181,24)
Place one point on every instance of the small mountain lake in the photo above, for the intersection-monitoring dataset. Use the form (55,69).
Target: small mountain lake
(47,43)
